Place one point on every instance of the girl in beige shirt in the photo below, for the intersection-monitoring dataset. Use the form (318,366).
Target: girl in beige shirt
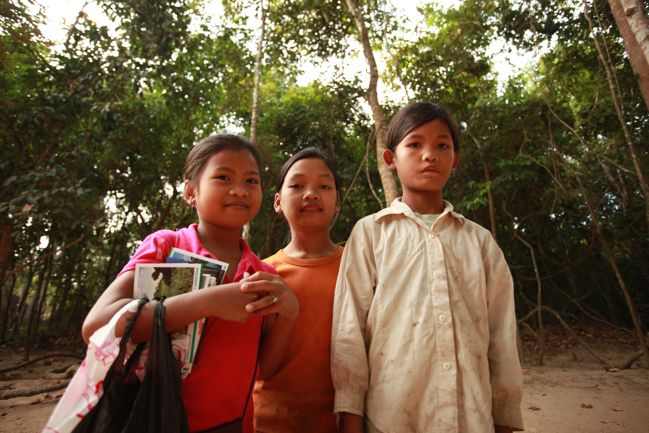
(424,330)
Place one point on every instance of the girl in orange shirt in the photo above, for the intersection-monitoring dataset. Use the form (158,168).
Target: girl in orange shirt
(299,397)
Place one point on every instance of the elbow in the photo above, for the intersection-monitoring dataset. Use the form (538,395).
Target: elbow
(267,372)
(86,331)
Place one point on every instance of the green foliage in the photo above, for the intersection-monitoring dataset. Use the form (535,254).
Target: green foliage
(329,118)
(94,133)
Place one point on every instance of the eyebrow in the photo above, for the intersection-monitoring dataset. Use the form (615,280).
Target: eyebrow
(328,175)
(231,170)
(421,136)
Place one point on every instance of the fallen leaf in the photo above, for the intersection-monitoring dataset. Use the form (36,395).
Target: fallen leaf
(534,408)
(586,406)
(615,409)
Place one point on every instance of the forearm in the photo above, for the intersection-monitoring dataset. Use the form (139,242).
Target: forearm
(351,423)
(225,301)
(274,346)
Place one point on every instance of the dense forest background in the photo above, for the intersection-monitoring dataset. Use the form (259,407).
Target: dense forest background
(94,131)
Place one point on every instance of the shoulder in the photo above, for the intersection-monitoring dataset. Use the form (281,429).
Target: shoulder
(274,257)
(161,241)
(260,265)
(275,260)
(475,229)
(370,222)
(482,236)
(168,236)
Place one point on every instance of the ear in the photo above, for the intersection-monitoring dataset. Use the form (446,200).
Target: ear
(190,193)
(388,158)
(277,203)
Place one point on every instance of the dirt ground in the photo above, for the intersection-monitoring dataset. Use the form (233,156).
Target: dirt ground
(570,393)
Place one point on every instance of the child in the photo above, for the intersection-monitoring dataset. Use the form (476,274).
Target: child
(424,332)
(222,182)
(299,397)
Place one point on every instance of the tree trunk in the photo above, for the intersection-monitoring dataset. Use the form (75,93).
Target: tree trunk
(487,178)
(389,185)
(34,310)
(608,250)
(254,117)
(617,102)
(539,294)
(8,309)
(633,26)
(610,255)
(6,248)
(22,302)
(42,302)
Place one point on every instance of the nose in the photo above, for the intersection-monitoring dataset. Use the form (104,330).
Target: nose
(239,190)
(311,194)
(428,154)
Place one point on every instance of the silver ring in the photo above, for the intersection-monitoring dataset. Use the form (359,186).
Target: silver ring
(274,299)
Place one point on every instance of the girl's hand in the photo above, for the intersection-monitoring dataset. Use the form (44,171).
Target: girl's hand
(274,296)
(230,302)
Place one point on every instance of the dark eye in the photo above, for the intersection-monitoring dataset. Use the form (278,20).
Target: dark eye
(222,177)
(253,180)
(295,185)
(325,186)
(414,145)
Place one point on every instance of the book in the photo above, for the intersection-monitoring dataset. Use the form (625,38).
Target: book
(212,274)
(166,279)
(170,279)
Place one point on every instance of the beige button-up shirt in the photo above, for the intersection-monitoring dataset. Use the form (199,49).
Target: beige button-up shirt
(424,330)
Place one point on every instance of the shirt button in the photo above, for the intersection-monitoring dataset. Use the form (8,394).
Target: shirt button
(446,365)
(433,236)
(437,274)
(442,318)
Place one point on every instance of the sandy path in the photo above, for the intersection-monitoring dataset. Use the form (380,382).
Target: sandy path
(574,397)
(569,400)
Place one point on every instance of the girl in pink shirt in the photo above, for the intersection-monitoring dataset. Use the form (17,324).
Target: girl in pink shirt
(222,181)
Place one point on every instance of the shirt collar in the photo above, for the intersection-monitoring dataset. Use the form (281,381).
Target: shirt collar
(247,261)
(399,207)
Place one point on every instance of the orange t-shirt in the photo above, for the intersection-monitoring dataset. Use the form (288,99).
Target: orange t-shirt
(299,398)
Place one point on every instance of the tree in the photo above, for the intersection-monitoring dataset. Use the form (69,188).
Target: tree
(632,22)
(389,185)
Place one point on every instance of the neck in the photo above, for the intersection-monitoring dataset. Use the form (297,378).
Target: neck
(310,245)
(424,203)
(218,240)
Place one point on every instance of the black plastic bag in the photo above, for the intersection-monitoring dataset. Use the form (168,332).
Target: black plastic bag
(121,387)
(159,404)
(153,406)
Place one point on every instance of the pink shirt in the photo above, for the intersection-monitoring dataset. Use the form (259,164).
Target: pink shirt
(216,390)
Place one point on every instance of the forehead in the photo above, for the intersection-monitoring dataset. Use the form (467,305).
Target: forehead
(432,129)
(309,166)
(236,160)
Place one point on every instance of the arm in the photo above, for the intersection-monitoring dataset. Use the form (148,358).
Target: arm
(505,371)
(280,320)
(225,301)
(351,423)
(352,300)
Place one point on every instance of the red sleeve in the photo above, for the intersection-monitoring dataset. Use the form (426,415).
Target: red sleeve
(153,249)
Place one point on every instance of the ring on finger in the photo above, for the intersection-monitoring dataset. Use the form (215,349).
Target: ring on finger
(274,299)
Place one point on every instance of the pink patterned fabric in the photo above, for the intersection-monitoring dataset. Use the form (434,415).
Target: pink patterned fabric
(84,390)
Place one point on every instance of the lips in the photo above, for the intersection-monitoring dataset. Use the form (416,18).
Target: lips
(430,169)
(238,205)
(311,208)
